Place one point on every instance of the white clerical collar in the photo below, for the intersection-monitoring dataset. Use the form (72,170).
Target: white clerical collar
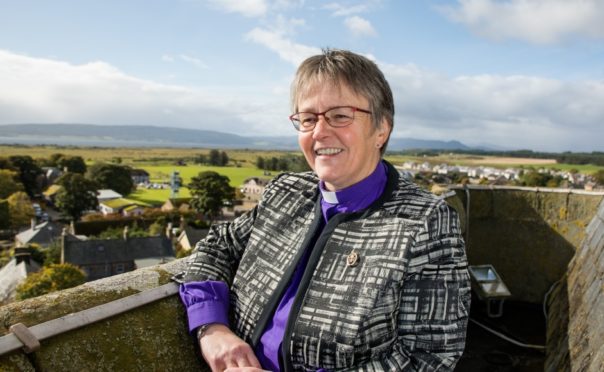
(329,196)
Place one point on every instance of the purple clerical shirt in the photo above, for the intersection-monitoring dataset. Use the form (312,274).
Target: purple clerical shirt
(207,302)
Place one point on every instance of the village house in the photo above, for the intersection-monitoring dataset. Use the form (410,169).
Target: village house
(104,195)
(253,188)
(101,258)
(51,193)
(42,234)
(189,236)
(124,206)
(15,272)
(51,174)
(179,204)
(139,176)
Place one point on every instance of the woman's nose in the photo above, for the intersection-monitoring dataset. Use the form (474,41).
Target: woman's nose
(321,128)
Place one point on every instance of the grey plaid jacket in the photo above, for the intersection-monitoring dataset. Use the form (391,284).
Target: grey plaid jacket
(402,307)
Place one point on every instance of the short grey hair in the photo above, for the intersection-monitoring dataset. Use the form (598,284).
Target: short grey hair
(355,71)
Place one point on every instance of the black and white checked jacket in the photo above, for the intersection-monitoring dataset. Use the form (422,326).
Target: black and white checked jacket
(403,306)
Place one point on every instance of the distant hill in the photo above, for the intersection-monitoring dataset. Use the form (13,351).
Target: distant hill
(152,136)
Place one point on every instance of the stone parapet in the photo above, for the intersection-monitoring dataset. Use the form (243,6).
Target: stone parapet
(153,337)
(528,234)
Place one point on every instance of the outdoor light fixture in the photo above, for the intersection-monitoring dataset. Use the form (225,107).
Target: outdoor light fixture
(489,287)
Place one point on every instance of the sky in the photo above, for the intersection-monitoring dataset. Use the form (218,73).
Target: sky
(508,74)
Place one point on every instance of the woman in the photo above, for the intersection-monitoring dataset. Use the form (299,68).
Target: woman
(349,267)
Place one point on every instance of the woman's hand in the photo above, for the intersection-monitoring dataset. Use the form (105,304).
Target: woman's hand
(223,350)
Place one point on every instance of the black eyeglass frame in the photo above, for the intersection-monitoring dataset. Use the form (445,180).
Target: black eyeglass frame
(297,123)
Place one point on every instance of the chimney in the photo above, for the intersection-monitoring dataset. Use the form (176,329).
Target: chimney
(22,254)
(33,223)
(126,232)
(169,230)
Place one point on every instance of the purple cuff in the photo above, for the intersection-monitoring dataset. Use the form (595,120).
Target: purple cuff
(206,302)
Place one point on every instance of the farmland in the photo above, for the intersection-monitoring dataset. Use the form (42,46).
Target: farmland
(161,162)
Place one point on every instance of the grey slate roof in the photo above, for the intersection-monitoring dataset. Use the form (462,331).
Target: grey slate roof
(42,234)
(194,235)
(12,274)
(99,251)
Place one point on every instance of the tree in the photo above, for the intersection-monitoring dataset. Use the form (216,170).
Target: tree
(214,157)
(74,164)
(6,164)
(28,172)
(20,209)
(55,277)
(4,215)
(9,183)
(112,176)
(534,178)
(260,162)
(118,232)
(200,159)
(77,195)
(209,191)
(52,254)
(599,176)
(224,159)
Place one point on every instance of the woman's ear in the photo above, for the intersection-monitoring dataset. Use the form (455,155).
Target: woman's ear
(383,132)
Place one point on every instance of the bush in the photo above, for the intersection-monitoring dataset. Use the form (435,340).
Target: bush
(53,278)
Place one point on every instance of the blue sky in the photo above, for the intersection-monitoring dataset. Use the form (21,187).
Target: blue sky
(506,73)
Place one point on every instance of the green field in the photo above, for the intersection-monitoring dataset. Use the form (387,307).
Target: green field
(159,162)
(161,174)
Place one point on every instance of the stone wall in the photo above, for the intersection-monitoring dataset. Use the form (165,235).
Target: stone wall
(576,307)
(528,234)
(150,338)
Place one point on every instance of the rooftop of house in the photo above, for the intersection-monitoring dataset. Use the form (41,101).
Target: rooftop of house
(42,233)
(52,190)
(193,235)
(138,172)
(178,201)
(105,194)
(121,203)
(95,251)
(12,274)
(257,180)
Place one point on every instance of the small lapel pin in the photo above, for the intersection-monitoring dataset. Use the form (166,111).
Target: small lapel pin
(352,259)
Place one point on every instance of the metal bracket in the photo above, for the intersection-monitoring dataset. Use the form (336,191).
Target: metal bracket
(29,340)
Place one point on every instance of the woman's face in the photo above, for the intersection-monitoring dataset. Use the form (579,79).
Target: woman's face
(343,156)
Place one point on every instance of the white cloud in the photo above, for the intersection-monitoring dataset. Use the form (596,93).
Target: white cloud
(247,8)
(36,90)
(511,111)
(359,26)
(185,58)
(286,26)
(194,61)
(343,10)
(287,4)
(535,21)
(287,50)
(167,58)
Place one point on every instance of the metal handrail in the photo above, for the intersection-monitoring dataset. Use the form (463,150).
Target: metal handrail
(10,342)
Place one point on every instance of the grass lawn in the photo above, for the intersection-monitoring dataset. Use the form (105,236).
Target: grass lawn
(161,174)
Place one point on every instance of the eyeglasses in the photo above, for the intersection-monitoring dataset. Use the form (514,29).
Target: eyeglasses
(336,117)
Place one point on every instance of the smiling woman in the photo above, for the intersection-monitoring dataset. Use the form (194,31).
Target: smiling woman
(348,267)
